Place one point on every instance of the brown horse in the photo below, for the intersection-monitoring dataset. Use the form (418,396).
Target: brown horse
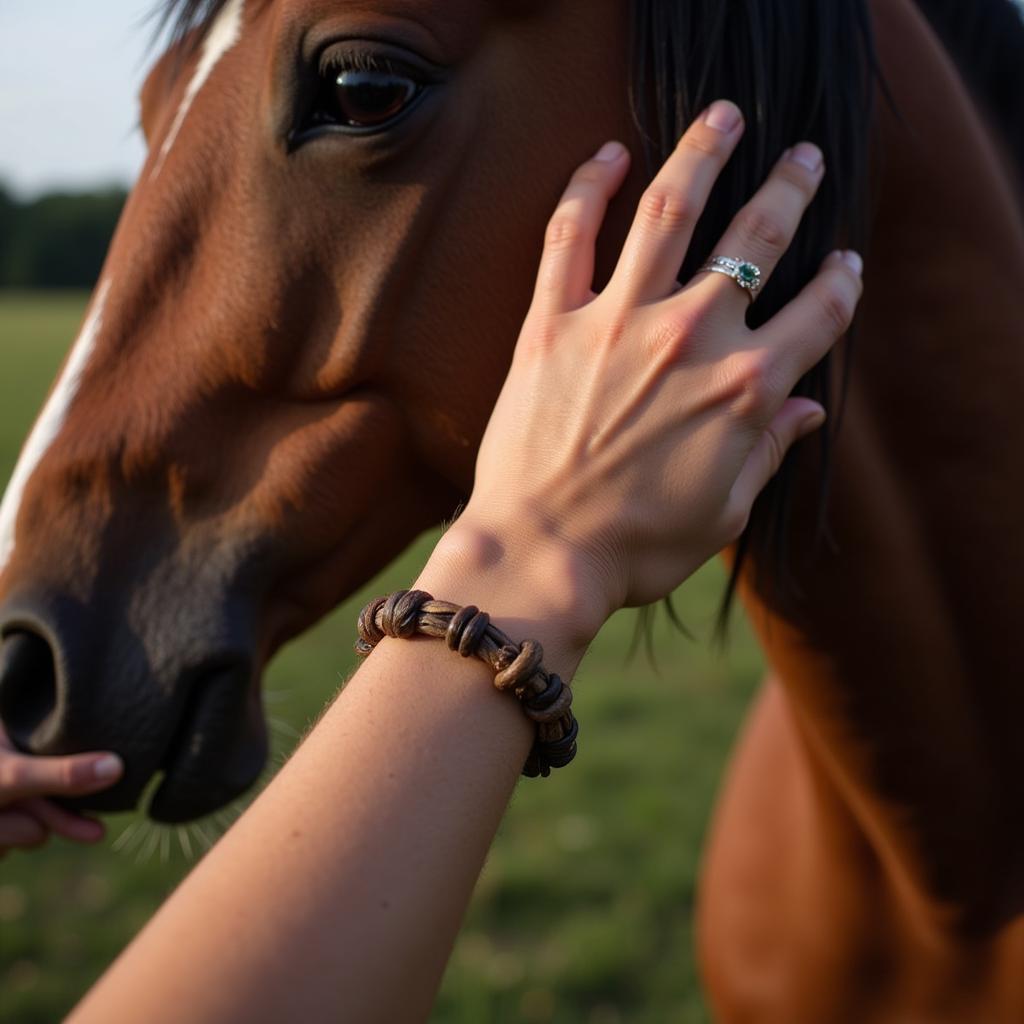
(306,315)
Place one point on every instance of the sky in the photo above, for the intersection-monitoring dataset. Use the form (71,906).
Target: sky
(69,77)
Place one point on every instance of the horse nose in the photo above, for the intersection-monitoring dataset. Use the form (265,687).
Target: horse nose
(28,689)
(40,712)
(191,713)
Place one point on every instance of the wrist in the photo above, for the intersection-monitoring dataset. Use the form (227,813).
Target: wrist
(530,589)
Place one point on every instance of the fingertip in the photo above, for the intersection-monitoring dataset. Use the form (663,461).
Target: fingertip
(723,116)
(88,773)
(89,830)
(806,155)
(854,261)
(811,421)
(798,417)
(107,767)
(849,258)
(611,152)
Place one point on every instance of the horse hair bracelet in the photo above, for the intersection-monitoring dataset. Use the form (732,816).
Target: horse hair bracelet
(545,698)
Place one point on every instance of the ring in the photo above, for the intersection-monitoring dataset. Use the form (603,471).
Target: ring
(746,275)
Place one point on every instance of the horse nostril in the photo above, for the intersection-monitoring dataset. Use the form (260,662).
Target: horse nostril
(28,687)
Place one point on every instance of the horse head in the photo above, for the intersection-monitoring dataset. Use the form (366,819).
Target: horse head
(307,312)
(303,322)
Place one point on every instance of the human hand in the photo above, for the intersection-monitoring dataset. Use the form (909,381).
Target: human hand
(636,427)
(26,817)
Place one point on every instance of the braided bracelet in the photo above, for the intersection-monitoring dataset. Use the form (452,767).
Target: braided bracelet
(545,698)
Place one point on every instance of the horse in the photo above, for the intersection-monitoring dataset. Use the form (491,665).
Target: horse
(304,319)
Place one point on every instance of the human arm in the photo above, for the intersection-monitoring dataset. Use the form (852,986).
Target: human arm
(633,433)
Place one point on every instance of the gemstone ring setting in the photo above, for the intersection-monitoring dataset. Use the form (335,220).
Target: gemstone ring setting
(746,274)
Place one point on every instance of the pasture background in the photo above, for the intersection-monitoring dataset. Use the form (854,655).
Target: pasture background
(584,911)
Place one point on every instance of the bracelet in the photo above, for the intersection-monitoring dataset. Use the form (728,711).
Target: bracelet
(545,698)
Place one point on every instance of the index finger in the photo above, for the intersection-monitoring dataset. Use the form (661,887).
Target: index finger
(25,775)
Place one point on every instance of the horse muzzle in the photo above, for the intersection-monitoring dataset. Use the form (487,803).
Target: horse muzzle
(68,683)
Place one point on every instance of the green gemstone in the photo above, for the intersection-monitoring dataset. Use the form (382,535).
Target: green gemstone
(747,273)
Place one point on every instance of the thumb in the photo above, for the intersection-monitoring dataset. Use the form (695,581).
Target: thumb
(797,418)
(23,775)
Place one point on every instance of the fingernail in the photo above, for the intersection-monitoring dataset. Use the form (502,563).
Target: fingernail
(723,116)
(812,421)
(806,154)
(853,261)
(108,767)
(610,152)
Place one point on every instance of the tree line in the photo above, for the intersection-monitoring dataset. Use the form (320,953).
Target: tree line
(58,240)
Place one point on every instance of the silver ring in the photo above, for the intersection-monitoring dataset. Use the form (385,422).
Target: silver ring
(746,274)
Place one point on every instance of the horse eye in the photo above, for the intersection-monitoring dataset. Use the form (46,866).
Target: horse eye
(369,99)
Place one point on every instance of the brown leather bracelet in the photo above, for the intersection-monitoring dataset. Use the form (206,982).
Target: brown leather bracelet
(545,698)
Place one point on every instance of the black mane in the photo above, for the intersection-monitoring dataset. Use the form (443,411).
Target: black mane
(178,17)
(798,69)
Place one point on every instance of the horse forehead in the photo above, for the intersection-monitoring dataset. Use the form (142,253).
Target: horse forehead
(450,19)
(221,36)
(423,8)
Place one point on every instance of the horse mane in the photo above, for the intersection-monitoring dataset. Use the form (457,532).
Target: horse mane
(801,69)
(177,18)
(798,69)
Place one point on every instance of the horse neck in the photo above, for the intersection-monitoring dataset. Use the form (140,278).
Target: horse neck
(900,662)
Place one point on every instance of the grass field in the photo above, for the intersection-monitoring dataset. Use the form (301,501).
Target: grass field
(584,911)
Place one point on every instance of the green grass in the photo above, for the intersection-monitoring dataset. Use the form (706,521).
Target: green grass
(584,911)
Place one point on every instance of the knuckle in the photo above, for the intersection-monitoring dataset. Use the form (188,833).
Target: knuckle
(66,774)
(798,176)
(564,231)
(540,335)
(671,338)
(836,308)
(591,174)
(704,140)
(674,329)
(749,385)
(764,229)
(665,209)
(12,774)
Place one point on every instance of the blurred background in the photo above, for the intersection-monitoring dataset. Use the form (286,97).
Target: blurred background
(584,912)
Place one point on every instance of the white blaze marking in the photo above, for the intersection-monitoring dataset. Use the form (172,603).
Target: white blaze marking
(223,34)
(50,422)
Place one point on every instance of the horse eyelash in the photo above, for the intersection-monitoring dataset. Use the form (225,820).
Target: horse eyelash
(356,60)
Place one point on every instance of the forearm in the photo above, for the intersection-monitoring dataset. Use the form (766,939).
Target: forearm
(339,893)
